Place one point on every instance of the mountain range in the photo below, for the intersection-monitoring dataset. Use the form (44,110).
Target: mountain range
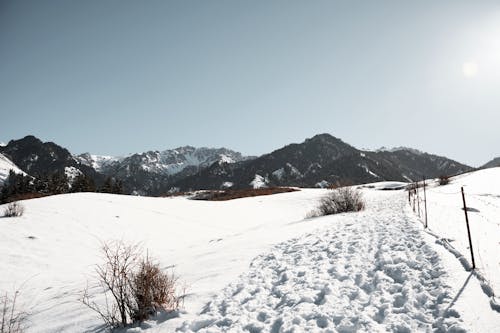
(320,161)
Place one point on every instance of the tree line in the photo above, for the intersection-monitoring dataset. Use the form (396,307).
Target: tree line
(19,186)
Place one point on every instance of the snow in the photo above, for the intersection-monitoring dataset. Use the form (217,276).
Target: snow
(98,162)
(294,171)
(279,173)
(447,220)
(5,166)
(72,173)
(368,170)
(370,272)
(226,159)
(322,184)
(227,184)
(259,182)
(394,149)
(385,185)
(252,264)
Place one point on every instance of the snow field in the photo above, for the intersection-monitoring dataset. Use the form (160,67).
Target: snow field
(368,272)
(51,251)
(250,265)
(446,219)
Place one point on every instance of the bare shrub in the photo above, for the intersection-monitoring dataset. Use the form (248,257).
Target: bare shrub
(153,290)
(11,319)
(134,287)
(443,180)
(14,209)
(340,200)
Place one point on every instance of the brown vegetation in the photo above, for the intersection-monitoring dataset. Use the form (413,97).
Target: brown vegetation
(222,195)
(340,200)
(443,180)
(135,288)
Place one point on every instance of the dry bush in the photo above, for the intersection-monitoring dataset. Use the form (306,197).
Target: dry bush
(154,290)
(443,180)
(14,209)
(340,200)
(11,319)
(134,287)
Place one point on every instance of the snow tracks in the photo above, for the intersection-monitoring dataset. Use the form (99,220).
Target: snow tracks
(368,272)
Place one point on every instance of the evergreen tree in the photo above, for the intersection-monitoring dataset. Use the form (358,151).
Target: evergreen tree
(118,187)
(107,187)
(83,183)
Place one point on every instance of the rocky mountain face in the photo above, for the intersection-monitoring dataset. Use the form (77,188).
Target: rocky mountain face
(492,164)
(317,162)
(153,172)
(321,161)
(35,157)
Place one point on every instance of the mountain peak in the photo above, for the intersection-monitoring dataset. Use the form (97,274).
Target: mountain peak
(27,140)
(323,137)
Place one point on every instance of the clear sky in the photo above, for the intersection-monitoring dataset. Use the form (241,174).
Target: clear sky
(117,77)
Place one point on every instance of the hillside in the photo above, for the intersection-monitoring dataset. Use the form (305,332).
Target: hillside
(492,164)
(321,161)
(249,255)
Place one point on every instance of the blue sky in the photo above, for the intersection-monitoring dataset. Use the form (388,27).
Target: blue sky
(116,77)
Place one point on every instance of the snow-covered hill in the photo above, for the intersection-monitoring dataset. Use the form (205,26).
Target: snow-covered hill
(5,166)
(251,265)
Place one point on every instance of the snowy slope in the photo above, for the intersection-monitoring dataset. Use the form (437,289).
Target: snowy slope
(251,265)
(446,218)
(210,244)
(5,166)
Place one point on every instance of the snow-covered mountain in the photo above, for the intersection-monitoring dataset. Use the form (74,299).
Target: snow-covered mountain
(167,162)
(98,162)
(152,172)
(321,161)
(36,158)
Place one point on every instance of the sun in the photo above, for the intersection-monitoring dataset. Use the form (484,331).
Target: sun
(469,69)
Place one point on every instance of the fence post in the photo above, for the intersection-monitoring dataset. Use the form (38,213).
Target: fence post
(425,203)
(413,193)
(468,230)
(418,200)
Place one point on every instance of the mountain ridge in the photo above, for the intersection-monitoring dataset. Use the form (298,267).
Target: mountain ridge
(321,160)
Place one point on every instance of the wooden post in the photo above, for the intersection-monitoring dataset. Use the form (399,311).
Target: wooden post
(413,194)
(468,230)
(425,203)
(418,200)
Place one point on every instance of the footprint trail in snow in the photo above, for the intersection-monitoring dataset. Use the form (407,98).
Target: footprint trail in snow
(368,272)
